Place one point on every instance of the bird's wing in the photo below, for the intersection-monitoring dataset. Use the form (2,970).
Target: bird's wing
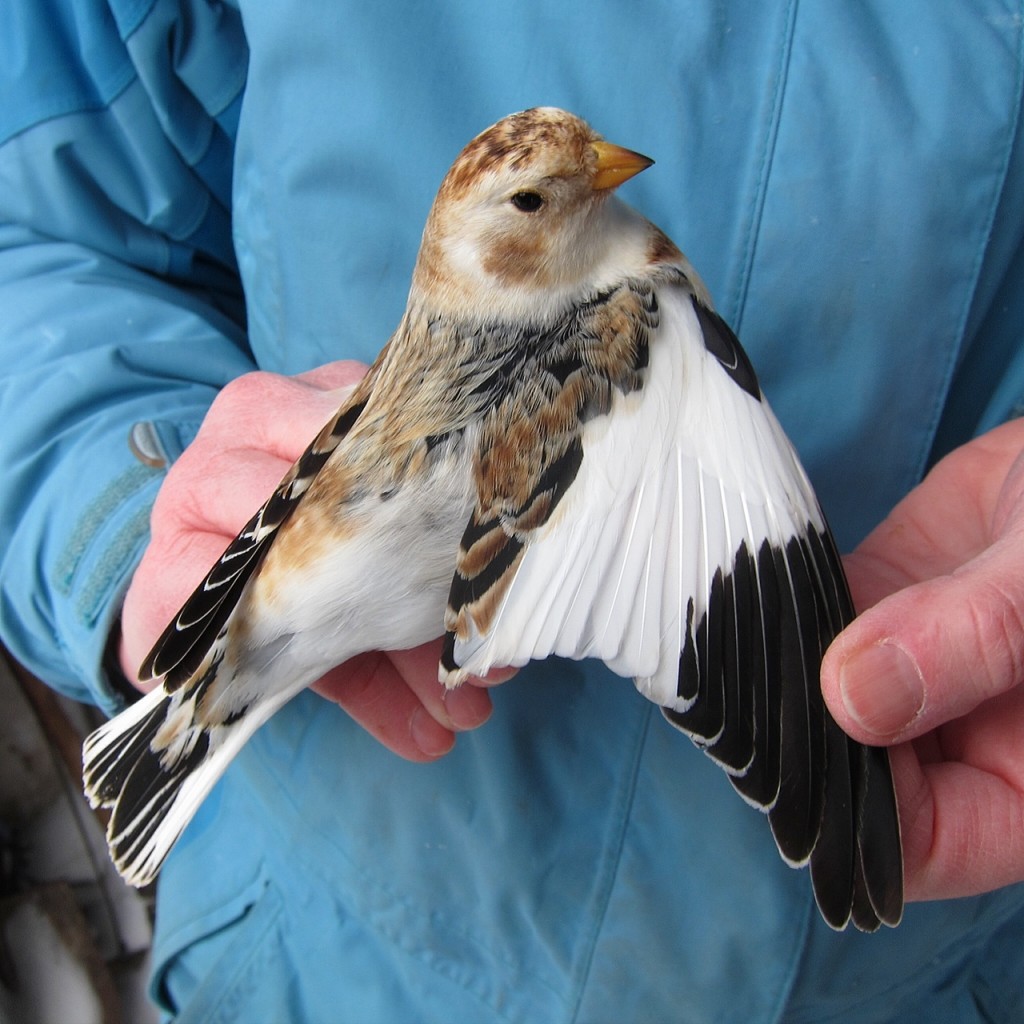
(181,649)
(678,539)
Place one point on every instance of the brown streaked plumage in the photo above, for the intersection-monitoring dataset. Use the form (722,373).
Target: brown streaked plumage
(542,140)
(562,450)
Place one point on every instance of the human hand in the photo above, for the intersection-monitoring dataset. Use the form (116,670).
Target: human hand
(256,428)
(935,665)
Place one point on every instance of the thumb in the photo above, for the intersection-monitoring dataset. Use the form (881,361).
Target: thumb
(931,652)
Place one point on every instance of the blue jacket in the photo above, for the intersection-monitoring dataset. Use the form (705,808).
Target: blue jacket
(189,191)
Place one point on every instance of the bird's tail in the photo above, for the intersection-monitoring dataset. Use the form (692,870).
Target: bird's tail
(152,766)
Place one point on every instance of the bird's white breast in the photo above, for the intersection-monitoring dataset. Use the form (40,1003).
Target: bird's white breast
(380,584)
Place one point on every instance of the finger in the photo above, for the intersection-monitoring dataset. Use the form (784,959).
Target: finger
(161,583)
(238,458)
(974,845)
(931,652)
(458,709)
(277,414)
(495,677)
(372,690)
(969,499)
(397,698)
(215,491)
(962,818)
(269,414)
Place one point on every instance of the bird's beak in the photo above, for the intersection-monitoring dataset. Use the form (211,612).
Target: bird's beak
(616,165)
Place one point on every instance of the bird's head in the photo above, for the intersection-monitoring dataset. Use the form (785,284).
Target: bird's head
(523,222)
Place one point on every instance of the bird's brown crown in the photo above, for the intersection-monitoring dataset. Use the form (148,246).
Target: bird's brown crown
(558,143)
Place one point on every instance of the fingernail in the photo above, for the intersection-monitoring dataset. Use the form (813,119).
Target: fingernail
(497,676)
(429,735)
(882,689)
(468,706)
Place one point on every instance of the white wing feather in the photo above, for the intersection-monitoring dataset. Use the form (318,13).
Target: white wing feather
(671,482)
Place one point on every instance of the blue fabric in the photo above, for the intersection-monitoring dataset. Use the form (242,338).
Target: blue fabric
(849,179)
(120,298)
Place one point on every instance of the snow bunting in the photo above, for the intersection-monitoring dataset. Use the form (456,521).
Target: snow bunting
(562,450)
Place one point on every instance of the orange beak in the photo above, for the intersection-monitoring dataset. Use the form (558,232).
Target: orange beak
(616,165)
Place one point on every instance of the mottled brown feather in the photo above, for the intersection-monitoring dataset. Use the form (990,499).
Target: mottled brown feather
(530,441)
(563,142)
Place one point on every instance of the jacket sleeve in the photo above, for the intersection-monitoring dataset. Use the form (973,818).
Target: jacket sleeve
(120,299)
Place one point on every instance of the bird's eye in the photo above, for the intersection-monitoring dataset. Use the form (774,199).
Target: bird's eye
(528,202)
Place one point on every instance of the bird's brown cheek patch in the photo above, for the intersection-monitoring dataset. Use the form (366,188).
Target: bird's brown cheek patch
(519,260)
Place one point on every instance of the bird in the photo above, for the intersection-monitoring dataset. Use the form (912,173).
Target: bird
(563,449)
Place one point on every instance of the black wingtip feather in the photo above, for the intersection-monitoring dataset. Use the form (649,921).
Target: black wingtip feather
(796,817)
(834,858)
(829,799)
(186,641)
(448,662)
(702,660)
(878,832)
(760,783)
(743,660)
(723,344)
(105,773)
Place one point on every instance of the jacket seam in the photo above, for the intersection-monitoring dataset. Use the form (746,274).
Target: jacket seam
(765,159)
(80,103)
(1014,128)
(614,863)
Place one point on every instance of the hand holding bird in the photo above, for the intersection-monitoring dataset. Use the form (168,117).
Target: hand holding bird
(567,446)
(236,460)
(941,586)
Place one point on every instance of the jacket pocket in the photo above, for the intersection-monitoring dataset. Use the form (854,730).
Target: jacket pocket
(205,971)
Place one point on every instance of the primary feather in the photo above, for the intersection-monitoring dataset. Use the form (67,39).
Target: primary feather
(566,442)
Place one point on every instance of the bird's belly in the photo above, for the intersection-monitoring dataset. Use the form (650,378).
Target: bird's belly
(374,578)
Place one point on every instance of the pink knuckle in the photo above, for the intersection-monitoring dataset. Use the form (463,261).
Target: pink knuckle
(997,617)
(243,391)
